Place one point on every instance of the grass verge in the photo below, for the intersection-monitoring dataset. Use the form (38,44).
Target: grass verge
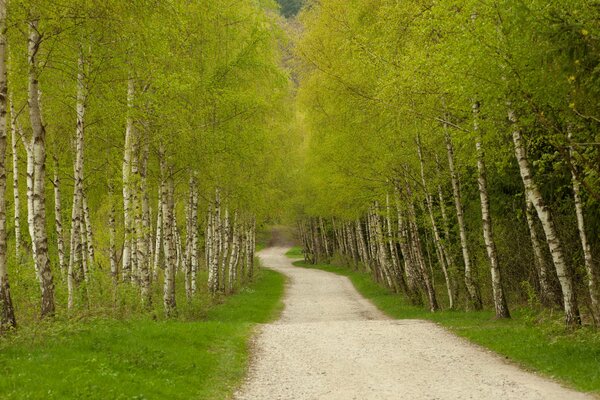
(533,340)
(140,358)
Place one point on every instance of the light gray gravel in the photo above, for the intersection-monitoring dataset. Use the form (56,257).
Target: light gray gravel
(331,343)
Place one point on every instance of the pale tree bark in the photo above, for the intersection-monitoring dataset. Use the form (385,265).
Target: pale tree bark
(233,259)
(15,181)
(439,246)
(89,233)
(195,241)
(126,171)
(324,237)
(363,246)
(593,273)
(418,252)
(75,250)
(547,294)
(225,251)
(188,239)
(352,242)
(159,233)
(209,249)
(500,304)
(169,240)
(398,269)
(384,260)
(7,313)
(452,268)
(532,191)
(58,225)
(216,239)
(470,281)
(112,237)
(39,170)
(410,266)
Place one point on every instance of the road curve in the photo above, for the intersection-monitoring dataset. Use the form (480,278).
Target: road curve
(331,343)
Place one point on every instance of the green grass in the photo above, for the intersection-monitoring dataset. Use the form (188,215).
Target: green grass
(295,252)
(140,359)
(534,340)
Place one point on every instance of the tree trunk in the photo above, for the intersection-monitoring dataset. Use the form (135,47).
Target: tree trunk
(159,233)
(58,225)
(470,281)
(500,304)
(39,173)
(194,232)
(439,246)
(591,267)
(127,221)
(547,294)
(418,252)
(112,237)
(225,257)
(532,191)
(234,254)
(7,313)
(169,240)
(15,164)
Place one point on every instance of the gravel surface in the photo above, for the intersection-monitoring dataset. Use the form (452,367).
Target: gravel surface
(331,343)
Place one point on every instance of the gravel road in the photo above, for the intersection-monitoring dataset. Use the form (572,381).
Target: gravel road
(331,343)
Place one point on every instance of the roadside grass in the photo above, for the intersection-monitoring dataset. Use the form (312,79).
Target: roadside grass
(536,341)
(295,252)
(140,358)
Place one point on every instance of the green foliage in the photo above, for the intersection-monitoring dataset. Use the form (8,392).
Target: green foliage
(541,344)
(375,74)
(140,358)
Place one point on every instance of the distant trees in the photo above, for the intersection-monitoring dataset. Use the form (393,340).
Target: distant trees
(504,91)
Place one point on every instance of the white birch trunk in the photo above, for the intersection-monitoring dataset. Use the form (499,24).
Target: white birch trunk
(593,273)
(159,233)
(194,232)
(39,173)
(112,237)
(470,283)
(169,241)
(126,171)
(532,191)
(15,181)
(439,246)
(58,225)
(500,304)
(547,294)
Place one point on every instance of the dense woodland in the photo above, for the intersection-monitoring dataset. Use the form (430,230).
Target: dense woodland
(140,144)
(452,149)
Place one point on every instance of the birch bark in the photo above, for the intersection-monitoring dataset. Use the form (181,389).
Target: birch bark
(532,191)
(126,171)
(470,283)
(15,181)
(439,246)
(593,273)
(500,304)
(58,225)
(39,173)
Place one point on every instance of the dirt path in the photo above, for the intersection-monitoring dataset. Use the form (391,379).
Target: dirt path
(331,343)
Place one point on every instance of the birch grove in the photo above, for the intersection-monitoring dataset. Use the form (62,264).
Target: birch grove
(480,119)
(149,131)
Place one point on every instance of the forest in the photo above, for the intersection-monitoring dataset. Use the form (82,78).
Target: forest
(159,159)
(452,150)
(137,157)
